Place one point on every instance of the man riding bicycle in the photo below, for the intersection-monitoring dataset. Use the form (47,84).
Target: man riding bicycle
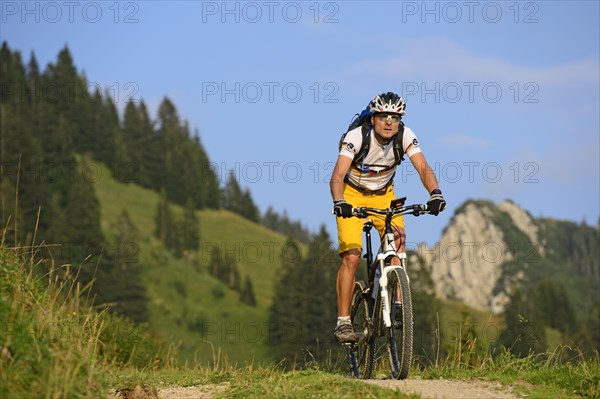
(367,180)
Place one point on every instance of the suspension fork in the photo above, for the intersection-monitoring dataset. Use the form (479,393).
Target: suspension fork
(369,254)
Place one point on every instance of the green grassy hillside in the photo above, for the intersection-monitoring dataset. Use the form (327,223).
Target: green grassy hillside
(187,305)
(198,312)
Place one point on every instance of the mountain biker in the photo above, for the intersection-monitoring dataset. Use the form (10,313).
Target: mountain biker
(370,183)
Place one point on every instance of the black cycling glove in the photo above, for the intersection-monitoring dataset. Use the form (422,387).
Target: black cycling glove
(342,208)
(436,202)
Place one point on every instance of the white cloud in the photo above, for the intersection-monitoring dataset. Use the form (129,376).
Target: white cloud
(442,59)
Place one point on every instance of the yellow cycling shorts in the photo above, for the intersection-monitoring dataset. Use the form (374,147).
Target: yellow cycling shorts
(350,229)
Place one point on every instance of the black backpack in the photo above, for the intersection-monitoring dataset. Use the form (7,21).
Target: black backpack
(364,119)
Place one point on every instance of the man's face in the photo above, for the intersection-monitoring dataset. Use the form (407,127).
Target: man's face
(386,125)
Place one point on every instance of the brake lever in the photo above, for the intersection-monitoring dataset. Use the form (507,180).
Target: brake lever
(359,213)
(420,210)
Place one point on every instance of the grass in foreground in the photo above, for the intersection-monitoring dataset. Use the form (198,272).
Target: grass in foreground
(261,382)
(49,343)
(535,376)
(53,345)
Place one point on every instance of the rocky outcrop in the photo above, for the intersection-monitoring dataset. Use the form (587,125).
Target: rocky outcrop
(468,263)
(488,250)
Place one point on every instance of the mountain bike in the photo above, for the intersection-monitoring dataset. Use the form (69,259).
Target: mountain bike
(371,312)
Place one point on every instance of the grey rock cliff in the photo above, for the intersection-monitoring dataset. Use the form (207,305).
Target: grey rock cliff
(467,264)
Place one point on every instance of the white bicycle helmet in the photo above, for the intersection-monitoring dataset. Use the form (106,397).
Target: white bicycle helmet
(388,102)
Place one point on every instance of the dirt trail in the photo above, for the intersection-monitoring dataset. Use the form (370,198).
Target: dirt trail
(427,389)
(195,392)
(441,389)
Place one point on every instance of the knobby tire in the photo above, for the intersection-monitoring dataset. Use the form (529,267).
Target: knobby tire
(361,362)
(400,340)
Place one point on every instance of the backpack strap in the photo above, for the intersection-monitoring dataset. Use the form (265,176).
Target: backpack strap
(398,148)
(366,143)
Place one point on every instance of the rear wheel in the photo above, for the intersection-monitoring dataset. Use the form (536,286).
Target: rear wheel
(361,354)
(400,337)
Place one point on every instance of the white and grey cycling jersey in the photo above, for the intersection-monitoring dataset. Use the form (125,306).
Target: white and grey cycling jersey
(378,167)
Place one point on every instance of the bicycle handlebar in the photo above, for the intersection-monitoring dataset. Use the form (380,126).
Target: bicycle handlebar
(415,209)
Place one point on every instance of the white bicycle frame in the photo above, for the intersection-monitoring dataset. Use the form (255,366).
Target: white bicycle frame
(388,251)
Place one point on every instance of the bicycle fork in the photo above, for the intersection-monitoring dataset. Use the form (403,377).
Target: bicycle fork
(383,257)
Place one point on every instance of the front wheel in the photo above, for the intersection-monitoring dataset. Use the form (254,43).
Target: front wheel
(361,354)
(400,335)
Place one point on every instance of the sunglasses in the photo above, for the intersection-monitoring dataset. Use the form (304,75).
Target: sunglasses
(385,118)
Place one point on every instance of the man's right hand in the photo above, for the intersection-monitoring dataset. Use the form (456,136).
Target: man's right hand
(436,203)
(342,208)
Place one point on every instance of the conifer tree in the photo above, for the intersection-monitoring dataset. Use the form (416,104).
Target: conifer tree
(228,272)
(238,201)
(9,210)
(210,193)
(136,139)
(175,242)
(248,209)
(232,194)
(66,118)
(170,133)
(286,315)
(107,141)
(33,83)
(556,306)
(305,302)
(152,151)
(80,231)
(21,165)
(20,150)
(190,228)
(283,224)
(319,279)
(163,220)
(216,263)
(247,293)
(12,77)
(270,219)
(123,287)
(524,332)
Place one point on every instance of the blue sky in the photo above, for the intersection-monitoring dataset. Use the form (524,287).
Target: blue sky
(504,96)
